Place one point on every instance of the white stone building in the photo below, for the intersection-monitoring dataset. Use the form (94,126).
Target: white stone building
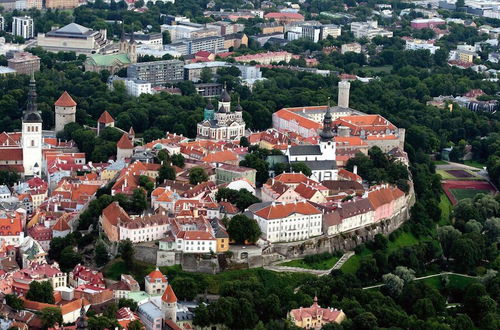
(289,222)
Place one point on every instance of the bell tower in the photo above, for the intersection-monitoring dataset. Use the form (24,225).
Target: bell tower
(32,134)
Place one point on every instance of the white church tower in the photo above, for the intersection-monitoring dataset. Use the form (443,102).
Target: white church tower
(32,134)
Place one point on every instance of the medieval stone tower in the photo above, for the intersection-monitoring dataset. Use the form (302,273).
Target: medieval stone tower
(65,109)
(343,99)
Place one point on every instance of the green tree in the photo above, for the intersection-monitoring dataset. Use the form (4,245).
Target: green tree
(9,178)
(14,302)
(139,201)
(135,325)
(166,172)
(41,292)
(50,316)
(302,168)
(424,308)
(197,175)
(393,283)
(126,250)
(130,303)
(102,322)
(244,142)
(185,288)
(69,258)
(241,229)
(206,75)
(101,254)
(178,160)
(447,237)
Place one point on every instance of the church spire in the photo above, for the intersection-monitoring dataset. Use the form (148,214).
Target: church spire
(81,323)
(326,133)
(31,111)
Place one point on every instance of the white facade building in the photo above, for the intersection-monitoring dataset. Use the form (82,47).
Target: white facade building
(23,26)
(137,87)
(196,242)
(289,222)
(368,30)
(416,44)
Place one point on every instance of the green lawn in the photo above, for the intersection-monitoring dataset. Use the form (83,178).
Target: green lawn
(322,265)
(446,207)
(456,281)
(440,162)
(405,239)
(460,194)
(475,164)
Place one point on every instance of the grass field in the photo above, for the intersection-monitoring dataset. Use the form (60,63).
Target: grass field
(456,281)
(440,162)
(322,265)
(446,208)
(352,265)
(475,164)
(460,194)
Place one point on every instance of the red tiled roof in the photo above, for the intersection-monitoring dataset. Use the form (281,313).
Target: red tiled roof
(284,210)
(169,295)
(65,100)
(156,274)
(301,121)
(114,214)
(11,154)
(106,118)
(124,142)
(220,157)
(284,15)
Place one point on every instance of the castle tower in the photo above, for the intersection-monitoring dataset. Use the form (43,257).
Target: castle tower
(343,98)
(169,304)
(32,134)
(124,147)
(65,109)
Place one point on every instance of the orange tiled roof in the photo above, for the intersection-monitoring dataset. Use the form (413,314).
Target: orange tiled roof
(301,121)
(284,210)
(220,157)
(65,100)
(156,274)
(124,142)
(169,295)
(106,118)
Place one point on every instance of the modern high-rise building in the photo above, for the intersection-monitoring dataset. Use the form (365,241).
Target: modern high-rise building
(23,26)
(157,73)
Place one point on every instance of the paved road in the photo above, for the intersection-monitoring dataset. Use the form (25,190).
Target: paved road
(423,278)
(275,266)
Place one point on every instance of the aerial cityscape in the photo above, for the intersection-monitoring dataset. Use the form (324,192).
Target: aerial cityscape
(249,164)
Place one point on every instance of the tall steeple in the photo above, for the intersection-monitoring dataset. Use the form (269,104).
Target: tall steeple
(81,323)
(31,112)
(326,133)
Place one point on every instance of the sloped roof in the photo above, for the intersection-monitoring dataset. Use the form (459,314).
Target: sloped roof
(285,210)
(106,118)
(74,28)
(124,142)
(169,295)
(65,100)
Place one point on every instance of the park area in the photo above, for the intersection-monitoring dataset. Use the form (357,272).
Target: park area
(457,190)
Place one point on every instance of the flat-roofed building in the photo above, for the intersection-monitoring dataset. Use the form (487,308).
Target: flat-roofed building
(24,63)
(157,73)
